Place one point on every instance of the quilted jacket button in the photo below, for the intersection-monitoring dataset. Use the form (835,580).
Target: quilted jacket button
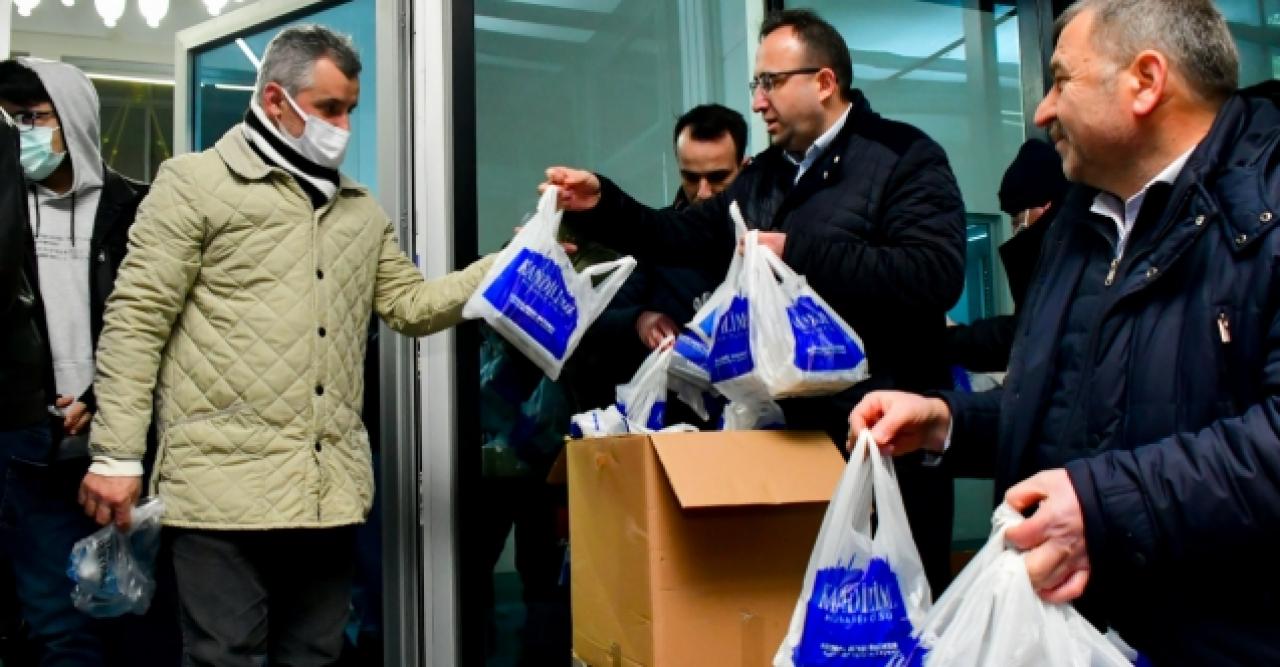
(319,274)
(320,331)
(318,447)
(319,390)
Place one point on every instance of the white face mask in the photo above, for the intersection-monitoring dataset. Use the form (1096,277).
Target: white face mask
(321,142)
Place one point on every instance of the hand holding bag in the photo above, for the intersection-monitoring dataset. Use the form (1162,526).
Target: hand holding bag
(990,615)
(535,299)
(863,594)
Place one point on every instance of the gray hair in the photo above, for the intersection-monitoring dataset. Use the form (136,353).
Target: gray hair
(291,56)
(1192,34)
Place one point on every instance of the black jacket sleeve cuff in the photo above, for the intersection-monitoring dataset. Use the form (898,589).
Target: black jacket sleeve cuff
(89,399)
(1118,534)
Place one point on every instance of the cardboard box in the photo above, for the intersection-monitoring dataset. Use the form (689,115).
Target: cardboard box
(690,548)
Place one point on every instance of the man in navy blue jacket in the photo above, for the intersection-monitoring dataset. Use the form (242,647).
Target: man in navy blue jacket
(1142,407)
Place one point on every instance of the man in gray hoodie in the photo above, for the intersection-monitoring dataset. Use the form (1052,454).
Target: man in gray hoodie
(72,240)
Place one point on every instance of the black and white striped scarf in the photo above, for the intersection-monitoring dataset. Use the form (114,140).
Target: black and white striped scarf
(320,183)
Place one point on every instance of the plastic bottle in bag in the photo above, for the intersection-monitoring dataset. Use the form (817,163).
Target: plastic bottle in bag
(114,571)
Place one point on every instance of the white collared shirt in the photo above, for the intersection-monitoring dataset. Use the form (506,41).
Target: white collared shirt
(819,145)
(1125,213)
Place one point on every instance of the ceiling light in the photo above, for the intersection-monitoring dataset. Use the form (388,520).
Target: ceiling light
(248,53)
(214,6)
(601,6)
(153,11)
(110,11)
(532,29)
(68,3)
(147,80)
(24,7)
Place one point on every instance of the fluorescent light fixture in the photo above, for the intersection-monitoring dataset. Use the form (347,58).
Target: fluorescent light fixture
(214,6)
(233,86)
(518,63)
(557,33)
(24,7)
(599,6)
(129,79)
(68,3)
(248,53)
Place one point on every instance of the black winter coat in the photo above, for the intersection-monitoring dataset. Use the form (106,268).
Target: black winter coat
(674,291)
(23,352)
(1178,467)
(26,371)
(876,225)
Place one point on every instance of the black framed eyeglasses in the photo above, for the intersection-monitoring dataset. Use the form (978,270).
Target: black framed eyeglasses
(29,119)
(766,81)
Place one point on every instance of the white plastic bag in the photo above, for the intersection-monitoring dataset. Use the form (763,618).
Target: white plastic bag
(115,571)
(535,299)
(863,595)
(725,319)
(805,348)
(753,416)
(705,402)
(644,399)
(990,615)
(689,363)
(598,423)
(703,323)
(774,337)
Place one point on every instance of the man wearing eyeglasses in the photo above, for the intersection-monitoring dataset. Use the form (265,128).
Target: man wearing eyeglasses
(866,208)
(75,216)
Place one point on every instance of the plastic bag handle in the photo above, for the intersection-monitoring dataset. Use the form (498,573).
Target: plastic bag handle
(614,278)
(786,275)
(548,214)
(888,507)
(863,476)
(739,224)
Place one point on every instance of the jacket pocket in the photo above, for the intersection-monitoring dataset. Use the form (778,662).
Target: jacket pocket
(232,439)
(233,409)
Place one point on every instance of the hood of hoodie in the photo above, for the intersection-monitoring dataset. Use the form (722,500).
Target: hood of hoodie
(76,101)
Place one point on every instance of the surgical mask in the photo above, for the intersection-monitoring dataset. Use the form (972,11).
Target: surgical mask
(321,142)
(37,156)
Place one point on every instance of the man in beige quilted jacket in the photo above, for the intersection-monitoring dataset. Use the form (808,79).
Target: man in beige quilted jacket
(242,308)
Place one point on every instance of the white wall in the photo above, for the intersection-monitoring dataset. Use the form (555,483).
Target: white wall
(6,11)
(61,47)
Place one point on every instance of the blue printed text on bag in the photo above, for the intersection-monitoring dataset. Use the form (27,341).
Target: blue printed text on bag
(856,618)
(821,343)
(731,347)
(532,294)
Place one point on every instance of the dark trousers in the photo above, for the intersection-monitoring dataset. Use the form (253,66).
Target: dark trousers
(40,519)
(278,597)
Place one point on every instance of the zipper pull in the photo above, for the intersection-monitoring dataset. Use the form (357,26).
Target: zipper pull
(1111,274)
(1224,327)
